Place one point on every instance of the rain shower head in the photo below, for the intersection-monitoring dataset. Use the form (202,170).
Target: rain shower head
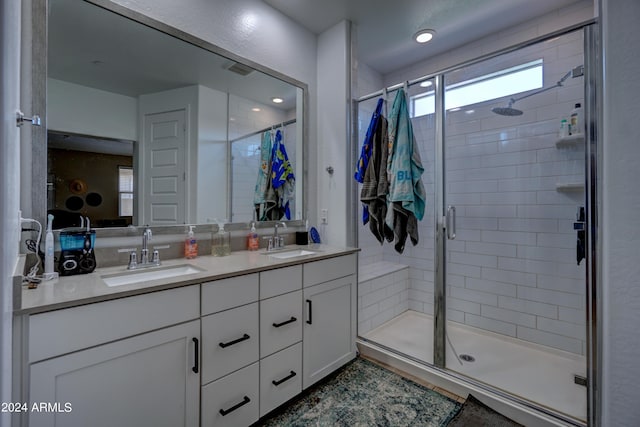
(510,111)
(507,111)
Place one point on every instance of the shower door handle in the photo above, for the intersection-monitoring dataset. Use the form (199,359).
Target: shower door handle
(450,222)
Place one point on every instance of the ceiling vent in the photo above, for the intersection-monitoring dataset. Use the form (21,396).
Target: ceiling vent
(239,68)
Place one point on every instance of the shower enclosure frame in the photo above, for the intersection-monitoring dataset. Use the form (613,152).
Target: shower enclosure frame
(593,152)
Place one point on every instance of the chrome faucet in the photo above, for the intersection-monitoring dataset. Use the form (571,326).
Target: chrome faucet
(278,241)
(144,253)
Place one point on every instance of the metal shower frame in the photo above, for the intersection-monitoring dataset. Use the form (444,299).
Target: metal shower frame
(593,112)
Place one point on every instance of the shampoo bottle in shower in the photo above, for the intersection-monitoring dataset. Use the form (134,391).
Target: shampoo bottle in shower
(576,120)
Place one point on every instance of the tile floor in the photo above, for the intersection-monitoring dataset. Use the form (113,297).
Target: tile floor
(537,373)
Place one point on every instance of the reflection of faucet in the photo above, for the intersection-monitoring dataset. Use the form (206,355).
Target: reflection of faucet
(278,241)
(144,253)
(146,238)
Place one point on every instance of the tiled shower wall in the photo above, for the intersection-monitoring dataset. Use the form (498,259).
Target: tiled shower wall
(512,267)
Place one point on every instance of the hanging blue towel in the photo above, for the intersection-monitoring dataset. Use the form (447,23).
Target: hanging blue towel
(282,176)
(404,167)
(365,153)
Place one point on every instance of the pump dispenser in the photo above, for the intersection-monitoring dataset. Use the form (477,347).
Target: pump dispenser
(221,242)
(253,243)
(190,244)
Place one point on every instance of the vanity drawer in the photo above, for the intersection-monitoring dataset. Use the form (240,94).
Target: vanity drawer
(228,293)
(285,370)
(280,281)
(278,329)
(329,269)
(229,341)
(92,324)
(236,395)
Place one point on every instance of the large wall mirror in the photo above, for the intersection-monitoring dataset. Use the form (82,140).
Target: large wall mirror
(149,125)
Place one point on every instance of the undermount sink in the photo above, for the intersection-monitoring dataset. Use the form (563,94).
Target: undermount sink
(153,273)
(290,254)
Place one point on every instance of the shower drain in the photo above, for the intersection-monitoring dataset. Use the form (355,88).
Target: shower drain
(467,358)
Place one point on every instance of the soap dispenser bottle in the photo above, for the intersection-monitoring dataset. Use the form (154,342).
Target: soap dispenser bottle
(221,244)
(253,243)
(190,244)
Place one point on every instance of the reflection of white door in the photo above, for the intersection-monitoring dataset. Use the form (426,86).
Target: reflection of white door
(165,161)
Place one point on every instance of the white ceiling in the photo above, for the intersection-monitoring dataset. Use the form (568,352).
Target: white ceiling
(93,47)
(385,27)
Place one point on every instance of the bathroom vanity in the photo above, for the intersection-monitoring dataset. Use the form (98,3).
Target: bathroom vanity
(223,343)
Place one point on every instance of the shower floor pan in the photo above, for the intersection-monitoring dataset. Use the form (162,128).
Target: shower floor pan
(536,373)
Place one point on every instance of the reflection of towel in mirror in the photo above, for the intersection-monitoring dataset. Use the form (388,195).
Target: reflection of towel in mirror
(264,199)
(404,170)
(366,153)
(375,185)
(282,177)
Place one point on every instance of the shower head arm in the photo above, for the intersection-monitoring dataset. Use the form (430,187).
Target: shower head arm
(558,84)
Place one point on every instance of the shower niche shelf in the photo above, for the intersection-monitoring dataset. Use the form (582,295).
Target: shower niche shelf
(570,141)
(567,187)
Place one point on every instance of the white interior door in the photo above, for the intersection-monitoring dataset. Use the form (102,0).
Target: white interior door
(165,149)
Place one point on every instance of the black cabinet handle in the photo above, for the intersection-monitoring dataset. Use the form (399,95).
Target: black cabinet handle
(236,406)
(227,344)
(196,356)
(287,378)
(309,319)
(286,322)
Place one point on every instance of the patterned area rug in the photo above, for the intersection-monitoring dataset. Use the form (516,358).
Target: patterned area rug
(364,394)
(477,414)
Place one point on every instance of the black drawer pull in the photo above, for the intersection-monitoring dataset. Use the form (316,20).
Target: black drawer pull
(236,406)
(287,378)
(310,319)
(196,352)
(286,322)
(227,344)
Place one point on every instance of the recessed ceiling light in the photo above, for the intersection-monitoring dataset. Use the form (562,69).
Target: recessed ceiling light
(454,109)
(423,36)
(256,109)
(277,100)
(426,83)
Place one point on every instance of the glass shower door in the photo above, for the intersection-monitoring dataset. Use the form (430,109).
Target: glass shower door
(513,192)
(396,290)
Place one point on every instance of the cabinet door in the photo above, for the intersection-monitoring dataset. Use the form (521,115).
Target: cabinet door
(329,328)
(148,380)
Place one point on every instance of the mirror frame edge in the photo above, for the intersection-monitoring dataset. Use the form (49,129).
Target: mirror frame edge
(39,58)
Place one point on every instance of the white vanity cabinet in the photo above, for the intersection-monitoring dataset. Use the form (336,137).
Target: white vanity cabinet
(224,352)
(330,304)
(144,370)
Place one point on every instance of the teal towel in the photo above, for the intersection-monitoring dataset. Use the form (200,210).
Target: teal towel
(404,167)
(262,183)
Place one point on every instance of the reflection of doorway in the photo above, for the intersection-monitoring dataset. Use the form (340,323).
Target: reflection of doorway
(164,171)
(83,179)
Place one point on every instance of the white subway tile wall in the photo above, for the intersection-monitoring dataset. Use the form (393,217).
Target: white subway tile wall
(383,293)
(512,267)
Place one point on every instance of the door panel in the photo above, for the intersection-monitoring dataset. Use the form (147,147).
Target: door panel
(165,155)
(515,295)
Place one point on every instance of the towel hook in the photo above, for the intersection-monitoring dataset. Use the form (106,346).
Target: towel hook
(329,170)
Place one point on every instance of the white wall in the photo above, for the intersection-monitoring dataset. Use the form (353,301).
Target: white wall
(620,205)
(334,63)
(211,182)
(87,111)
(10,178)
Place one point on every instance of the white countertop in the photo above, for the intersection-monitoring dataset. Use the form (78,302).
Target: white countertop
(89,288)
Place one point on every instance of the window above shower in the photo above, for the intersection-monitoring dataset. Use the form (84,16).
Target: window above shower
(505,82)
